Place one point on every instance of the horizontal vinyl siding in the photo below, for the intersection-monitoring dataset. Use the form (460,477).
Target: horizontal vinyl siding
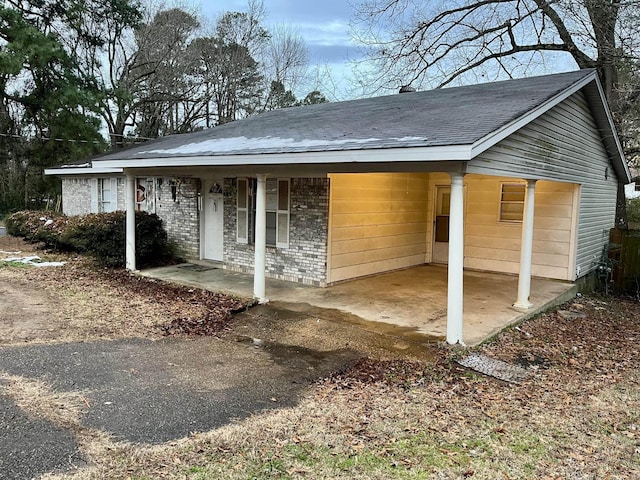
(378,223)
(494,245)
(563,145)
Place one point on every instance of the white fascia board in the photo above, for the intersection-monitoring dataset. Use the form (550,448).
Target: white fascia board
(614,134)
(83,171)
(408,154)
(496,136)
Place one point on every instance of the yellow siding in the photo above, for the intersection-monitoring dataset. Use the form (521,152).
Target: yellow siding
(378,222)
(381,222)
(494,245)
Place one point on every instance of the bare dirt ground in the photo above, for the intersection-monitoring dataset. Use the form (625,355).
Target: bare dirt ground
(416,414)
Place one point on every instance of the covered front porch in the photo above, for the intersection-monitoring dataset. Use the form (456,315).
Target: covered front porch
(414,299)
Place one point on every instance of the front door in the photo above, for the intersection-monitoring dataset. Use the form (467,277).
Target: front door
(441,225)
(213,222)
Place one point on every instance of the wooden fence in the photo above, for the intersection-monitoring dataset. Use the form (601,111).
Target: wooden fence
(624,256)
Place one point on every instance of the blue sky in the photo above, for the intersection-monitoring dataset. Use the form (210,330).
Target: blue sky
(324,24)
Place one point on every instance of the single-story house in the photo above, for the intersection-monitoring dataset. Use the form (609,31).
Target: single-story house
(518,176)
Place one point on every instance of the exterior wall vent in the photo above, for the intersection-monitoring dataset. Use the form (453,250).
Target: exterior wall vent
(407,89)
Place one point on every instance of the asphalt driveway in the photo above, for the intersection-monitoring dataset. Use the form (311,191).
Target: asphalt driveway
(148,391)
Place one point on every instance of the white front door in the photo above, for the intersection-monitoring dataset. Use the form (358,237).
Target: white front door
(213,222)
(441,225)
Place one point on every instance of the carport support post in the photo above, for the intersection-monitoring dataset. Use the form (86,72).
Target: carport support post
(526,248)
(260,240)
(130,199)
(455,297)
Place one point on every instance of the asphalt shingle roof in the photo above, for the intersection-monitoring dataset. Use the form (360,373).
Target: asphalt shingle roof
(444,117)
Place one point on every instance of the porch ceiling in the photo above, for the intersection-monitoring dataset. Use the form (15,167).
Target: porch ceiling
(414,299)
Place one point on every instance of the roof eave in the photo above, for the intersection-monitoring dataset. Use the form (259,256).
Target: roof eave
(83,171)
(604,121)
(404,154)
(607,128)
(496,136)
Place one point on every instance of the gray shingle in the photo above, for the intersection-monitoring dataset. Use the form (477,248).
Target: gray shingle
(445,117)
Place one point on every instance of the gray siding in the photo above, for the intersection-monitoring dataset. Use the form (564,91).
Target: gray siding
(563,145)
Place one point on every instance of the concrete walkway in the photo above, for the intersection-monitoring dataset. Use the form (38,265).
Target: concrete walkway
(415,299)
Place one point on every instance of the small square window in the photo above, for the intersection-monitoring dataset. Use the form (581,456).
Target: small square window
(512,202)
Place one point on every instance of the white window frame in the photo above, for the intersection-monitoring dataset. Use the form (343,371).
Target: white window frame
(282,214)
(99,203)
(240,210)
(502,202)
(109,204)
(273,206)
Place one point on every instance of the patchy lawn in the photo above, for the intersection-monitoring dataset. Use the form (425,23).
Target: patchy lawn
(576,417)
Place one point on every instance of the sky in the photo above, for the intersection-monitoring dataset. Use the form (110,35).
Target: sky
(324,24)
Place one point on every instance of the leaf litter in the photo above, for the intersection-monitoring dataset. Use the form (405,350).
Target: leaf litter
(576,415)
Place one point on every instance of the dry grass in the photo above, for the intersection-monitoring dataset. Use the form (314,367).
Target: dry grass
(577,417)
(380,432)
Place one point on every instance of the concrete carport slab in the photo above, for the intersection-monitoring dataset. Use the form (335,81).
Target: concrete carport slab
(414,299)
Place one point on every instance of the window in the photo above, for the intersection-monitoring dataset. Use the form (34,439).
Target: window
(108,190)
(104,195)
(512,202)
(277,210)
(242,207)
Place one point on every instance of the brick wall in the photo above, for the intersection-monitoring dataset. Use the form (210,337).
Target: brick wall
(305,259)
(181,217)
(76,195)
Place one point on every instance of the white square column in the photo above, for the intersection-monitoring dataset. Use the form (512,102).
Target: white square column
(526,248)
(130,200)
(259,263)
(455,297)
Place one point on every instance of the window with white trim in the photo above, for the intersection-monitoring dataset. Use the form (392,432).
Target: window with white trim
(108,191)
(242,208)
(277,211)
(512,202)
(104,195)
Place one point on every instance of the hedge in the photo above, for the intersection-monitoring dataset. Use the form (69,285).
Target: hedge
(100,235)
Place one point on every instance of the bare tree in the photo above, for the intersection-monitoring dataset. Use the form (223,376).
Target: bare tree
(416,41)
(286,56)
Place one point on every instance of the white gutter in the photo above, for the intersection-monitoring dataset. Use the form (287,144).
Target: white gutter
(380,155)
(82,171)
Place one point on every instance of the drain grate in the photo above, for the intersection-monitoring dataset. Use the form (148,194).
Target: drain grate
(196,268)
(495,368)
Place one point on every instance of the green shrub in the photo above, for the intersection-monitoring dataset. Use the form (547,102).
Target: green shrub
(101,235)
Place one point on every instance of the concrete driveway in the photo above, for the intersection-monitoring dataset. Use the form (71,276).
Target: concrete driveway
(414,298)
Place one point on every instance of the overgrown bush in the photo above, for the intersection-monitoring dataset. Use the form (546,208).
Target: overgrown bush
(101,235)
(633,210)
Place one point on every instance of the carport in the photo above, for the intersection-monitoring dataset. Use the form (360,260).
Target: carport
(410,300)
(516,177)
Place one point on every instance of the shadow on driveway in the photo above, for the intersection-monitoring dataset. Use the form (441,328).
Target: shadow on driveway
(154,391)
(148,391)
